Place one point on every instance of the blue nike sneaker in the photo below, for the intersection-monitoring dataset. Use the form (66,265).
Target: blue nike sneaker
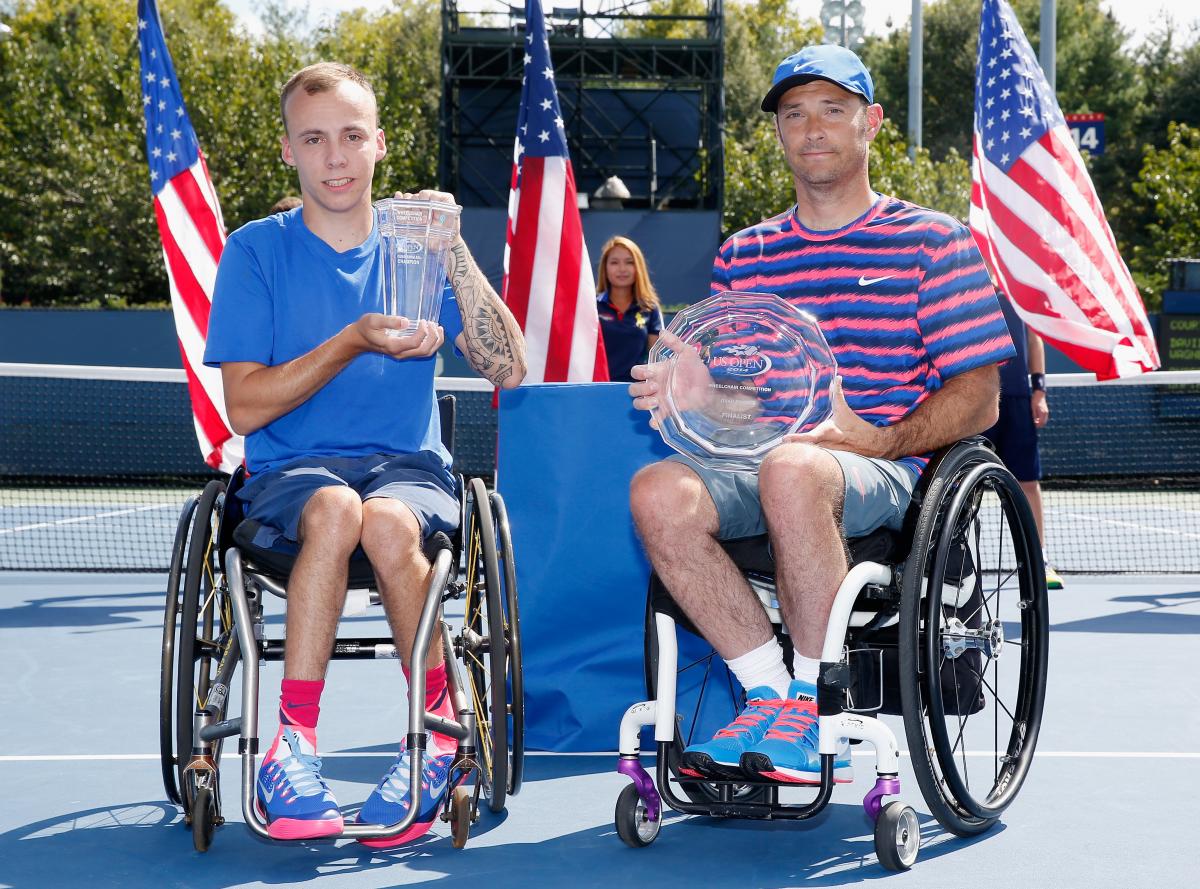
(390,800)
(721,757)
(788,749)
(292,795)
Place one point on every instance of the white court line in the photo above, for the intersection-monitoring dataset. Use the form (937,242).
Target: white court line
(74,520)
(146,757)
(1088,518)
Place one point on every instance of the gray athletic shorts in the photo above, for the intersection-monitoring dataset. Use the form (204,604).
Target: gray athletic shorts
(877,495)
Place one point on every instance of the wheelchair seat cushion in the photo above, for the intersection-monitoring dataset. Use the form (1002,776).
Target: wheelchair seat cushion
(276,560)
(754,553)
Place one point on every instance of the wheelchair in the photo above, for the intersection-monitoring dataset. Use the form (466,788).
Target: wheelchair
(214,623)
(944,624)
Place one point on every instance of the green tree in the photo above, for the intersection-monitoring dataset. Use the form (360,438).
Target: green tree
(665,20)
(943,185)
(1169,186)
(758,183)
(1094,73)
(76,218)
(759,34)
(400,53)
(70,204)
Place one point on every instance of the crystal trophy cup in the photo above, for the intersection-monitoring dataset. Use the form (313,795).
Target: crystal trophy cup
(414,238)
(746,370)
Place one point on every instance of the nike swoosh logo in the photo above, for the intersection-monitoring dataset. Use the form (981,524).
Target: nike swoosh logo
(269,793)
(867,282)
(436,790)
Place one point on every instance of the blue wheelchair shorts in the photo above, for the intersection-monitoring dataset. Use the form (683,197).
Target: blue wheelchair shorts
(1016,438)
(877,495)
(276,498)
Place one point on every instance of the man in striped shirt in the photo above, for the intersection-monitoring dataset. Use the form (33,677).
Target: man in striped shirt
(902,297)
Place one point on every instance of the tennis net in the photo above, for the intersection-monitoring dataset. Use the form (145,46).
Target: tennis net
(96,463)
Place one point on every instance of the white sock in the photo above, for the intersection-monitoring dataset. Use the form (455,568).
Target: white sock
(806,668)
(762,666)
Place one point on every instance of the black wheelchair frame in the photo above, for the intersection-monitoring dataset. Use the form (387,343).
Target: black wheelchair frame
(939,613)
(214,622)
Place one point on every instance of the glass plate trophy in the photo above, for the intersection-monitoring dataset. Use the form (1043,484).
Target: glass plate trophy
(414,238)
(749,369)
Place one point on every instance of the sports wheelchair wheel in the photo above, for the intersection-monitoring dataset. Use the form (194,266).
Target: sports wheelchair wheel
(634,826)
(973,641)
(516,675)
(700,792)
(168,754)
(490,649)
(897,836)
(204,639)
(206,815)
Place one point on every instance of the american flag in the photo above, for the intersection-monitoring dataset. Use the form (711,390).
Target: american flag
(548,281)
(1037,218)
(192,232)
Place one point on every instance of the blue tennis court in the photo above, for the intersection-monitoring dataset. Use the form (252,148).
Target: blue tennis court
(1109,803)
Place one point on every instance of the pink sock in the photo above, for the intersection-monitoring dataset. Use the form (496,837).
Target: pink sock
(300,707)
(438,702)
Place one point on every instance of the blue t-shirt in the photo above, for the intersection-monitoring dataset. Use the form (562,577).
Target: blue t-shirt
(626,335)
(1014,374)
(280,292)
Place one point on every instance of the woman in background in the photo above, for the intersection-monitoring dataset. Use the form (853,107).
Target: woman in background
(630,317)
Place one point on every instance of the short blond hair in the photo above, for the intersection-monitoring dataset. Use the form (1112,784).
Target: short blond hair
(320,78)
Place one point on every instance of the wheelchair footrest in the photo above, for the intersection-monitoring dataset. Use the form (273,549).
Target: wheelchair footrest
(740,810)
(744,782)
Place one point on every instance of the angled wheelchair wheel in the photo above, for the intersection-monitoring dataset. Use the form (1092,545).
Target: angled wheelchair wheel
(168,753)
(974,628)
(686,723)
(206,815)
(486,649)
(632,819)
(204,640)
(512,630)
(897,836)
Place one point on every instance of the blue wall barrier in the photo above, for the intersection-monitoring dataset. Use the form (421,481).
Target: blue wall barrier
(567,454)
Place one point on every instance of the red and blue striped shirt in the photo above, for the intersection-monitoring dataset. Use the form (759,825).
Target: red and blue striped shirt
(901,295)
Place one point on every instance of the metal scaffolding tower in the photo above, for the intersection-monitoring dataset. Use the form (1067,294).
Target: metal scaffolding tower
(640,92)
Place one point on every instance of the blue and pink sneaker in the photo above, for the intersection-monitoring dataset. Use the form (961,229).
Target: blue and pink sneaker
(788,749)
(391,799)
(292,795)
(721,757)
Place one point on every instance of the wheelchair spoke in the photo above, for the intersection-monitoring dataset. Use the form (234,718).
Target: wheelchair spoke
(995,727)
(706,660)
(475,660)
(700,699)
(999,701)
(484,728)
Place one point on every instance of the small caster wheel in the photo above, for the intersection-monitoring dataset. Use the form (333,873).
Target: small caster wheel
(205,818)
(460,817)
(897,836)
(633,821)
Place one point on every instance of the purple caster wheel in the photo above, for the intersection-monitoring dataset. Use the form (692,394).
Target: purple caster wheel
(637,826)
(897,836)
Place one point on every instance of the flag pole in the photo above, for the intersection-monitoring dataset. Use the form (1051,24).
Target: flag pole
(916,39)
(1049,35)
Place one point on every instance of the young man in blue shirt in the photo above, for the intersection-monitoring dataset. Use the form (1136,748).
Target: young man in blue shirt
(342,433)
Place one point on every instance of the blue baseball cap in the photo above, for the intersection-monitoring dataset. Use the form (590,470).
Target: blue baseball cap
(826,61)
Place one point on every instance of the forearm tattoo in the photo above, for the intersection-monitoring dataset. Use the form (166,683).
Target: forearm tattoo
(495,345)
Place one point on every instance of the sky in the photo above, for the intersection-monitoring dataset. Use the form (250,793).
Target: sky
(1137,16)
